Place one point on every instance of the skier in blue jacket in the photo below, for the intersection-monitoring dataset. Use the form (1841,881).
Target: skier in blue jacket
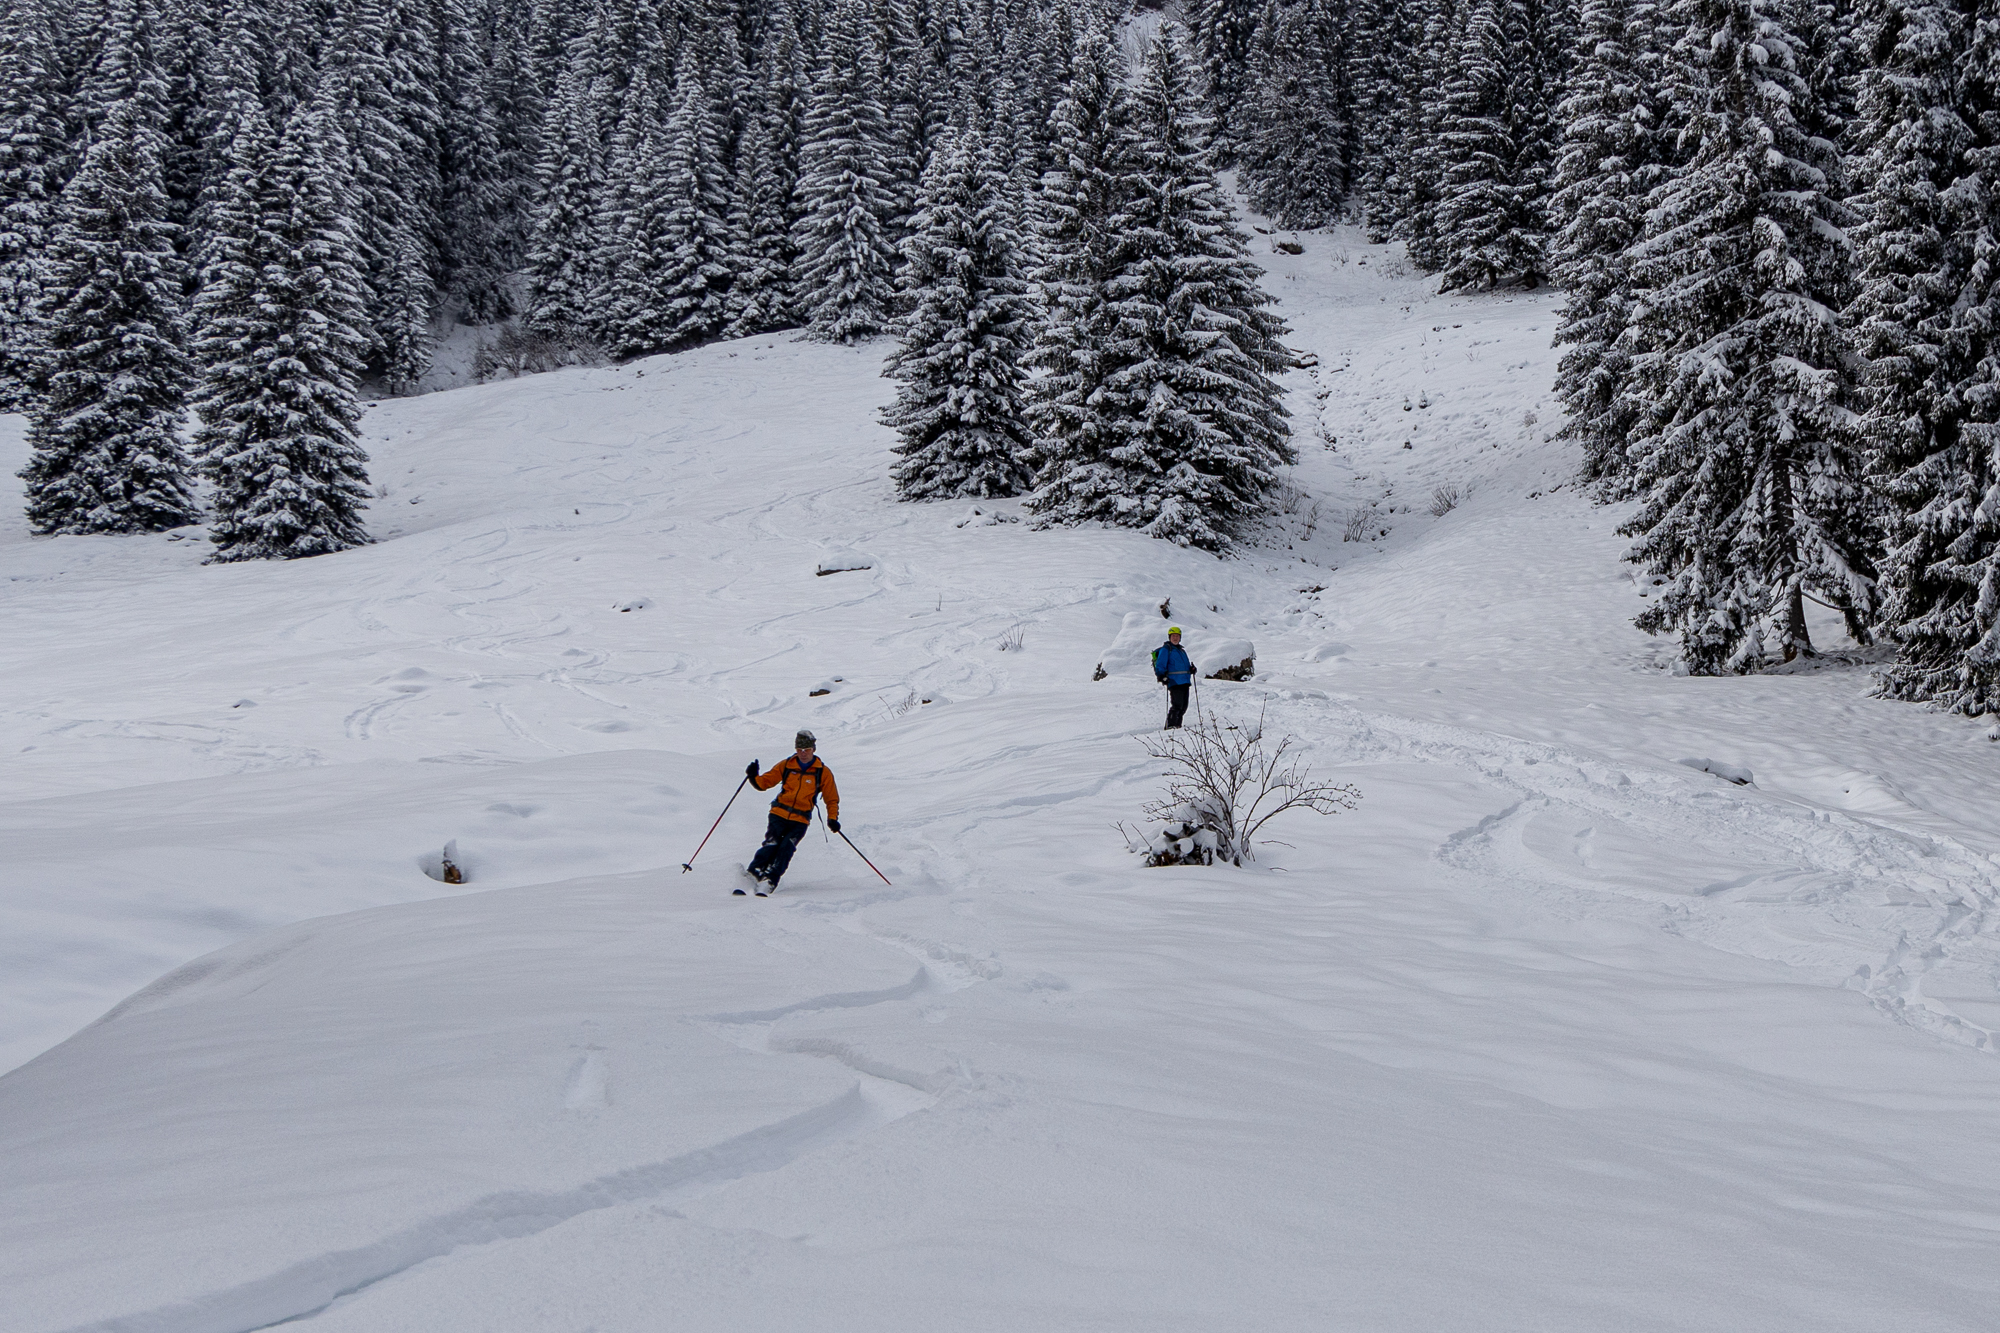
(1174,669)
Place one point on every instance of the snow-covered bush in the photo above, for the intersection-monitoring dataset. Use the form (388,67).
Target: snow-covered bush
(1225,781)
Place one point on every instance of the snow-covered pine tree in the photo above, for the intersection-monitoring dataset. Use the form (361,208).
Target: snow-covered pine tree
(1043,69)
(1079,195)
(1923,316)
(32,152)
(1223,32)
(1613,155)
(764,209)
(1189,425)
(107,456)
(711,47)
(562,272)
(1743,457)
(666,278)
(1496,141)
(1008,132)
(1389,33)
(1831,63)
(629,218)
(381,84)
(905,98)
(1297,140)
(405,292)
(483,140)
(185,35)
(958,403)
(1414,189)
(279,345)
(846,267)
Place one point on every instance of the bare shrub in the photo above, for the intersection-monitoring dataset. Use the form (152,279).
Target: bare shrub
(1443,500)
(1359,521)
(1225,781)
(516,351)
(1287,495)
(1312,519)
(1011,641)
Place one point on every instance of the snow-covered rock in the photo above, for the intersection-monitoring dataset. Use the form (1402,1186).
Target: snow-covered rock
(1225,659)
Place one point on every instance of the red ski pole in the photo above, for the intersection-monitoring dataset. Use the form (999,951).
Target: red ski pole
(688,864)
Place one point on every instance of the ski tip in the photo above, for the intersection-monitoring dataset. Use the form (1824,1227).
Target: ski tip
(737,892)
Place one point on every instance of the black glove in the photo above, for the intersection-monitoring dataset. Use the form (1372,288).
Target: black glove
(833,824)
(751,771)
(1161,679)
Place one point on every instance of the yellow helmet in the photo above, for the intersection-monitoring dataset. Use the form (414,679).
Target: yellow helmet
(1173,629)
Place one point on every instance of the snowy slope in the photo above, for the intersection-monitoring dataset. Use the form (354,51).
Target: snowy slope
(1561,1029)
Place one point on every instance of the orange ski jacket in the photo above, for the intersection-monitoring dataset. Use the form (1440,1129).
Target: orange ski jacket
(804,784)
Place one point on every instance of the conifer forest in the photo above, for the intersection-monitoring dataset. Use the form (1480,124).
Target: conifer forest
(1773,223)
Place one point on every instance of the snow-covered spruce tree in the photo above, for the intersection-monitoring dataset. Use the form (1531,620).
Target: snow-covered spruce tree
(1298,141)
(958,403)
(405,293)
(1041,54)
(1613,155)
(382,85)
(906,146)
(1389,35)
(1743,455)
(1496,139)
(279,347)
(562,275)
(1223,31)
(1414,189)
(846,267)
(32,150)
(694,288)
(1189,425)
(1073,214)
(107,456)
(484,138)
(185,35)
(1924,316)
(663,267)
(763,207)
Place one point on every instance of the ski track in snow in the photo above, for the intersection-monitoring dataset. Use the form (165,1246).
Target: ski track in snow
(882,1094)
(884,1091)
(322,1282)
(1930,893)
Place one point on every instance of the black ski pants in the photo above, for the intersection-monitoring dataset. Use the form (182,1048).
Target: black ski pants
(1177,696)
(781,839)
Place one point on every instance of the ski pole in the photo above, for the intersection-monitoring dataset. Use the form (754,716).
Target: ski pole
(864,856)
(688,864)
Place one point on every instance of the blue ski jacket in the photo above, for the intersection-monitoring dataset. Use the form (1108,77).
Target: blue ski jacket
(1172,664)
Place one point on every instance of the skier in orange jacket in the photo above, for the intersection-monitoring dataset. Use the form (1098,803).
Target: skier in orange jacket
(804,780)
